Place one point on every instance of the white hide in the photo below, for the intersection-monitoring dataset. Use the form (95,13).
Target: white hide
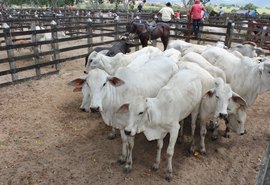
(108,93)
(202,62)
(111,64)
(247,78)
(156,117)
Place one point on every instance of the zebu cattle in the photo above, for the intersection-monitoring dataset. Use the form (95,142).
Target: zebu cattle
(122,46)
(247,78)
(111,64)
(202,62)
(158,116)
(108,93)
(211,105)
(248,49)
(186,47)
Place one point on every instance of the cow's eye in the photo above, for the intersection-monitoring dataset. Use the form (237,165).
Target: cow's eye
(238,121)
(140,113)
(104,84)
(217,97)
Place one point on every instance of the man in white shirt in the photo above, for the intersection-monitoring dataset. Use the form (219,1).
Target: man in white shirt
(166,13)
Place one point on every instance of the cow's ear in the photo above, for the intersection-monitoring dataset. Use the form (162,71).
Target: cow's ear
(123,108)
(238,99)
(115,81)
(210,93)
(77,83)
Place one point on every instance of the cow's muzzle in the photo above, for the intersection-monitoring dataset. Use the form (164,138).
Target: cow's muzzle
(94,109)
(128,133)
(223,116)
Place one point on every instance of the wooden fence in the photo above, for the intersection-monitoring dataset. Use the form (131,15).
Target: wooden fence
(89,31)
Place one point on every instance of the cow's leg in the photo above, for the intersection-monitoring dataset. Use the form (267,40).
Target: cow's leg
(155,166)
(123,157)
(203,132)
(181,134)
(215,129)
(130,145)
(194,116)
(170,150)
(227,131)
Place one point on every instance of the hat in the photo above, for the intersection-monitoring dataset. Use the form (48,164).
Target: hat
(168,4)
(197,1)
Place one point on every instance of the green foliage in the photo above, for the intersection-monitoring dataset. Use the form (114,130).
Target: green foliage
(249,6)
(204,1)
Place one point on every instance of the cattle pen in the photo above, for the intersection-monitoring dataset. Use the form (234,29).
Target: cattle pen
(91,29)
(46,139)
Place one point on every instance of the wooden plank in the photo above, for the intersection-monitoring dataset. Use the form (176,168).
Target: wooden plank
(263,177)
(28,78)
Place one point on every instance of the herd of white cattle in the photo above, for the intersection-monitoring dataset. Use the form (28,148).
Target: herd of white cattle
(152,92)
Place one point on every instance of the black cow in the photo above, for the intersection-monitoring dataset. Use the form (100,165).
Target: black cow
(122,46)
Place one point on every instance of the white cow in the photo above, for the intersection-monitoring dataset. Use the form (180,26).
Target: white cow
(179,45)
(111,64)
(158,116)
(108,93)
(235,104)
(247,78)
(202,62)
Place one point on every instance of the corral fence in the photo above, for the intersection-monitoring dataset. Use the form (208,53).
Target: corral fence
(83,31)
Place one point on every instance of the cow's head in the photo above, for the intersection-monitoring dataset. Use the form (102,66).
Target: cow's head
(237,114)
(138,115)
(96,80)
(221,95)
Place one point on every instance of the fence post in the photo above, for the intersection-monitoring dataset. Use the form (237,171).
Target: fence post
(54,45)
(10,52)
(228,39)
(116,21)
(35,48)
(89,30)
(102,31)
(263,38)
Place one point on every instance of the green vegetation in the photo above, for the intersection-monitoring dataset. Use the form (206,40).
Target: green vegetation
(131,6)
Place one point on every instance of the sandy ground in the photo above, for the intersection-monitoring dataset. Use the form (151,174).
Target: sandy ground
(46,139)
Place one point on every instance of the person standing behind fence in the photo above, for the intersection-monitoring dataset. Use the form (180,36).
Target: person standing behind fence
(196,14)
(167,13)
(140,8)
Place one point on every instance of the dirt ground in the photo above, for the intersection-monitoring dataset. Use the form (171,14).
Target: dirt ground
(46,139)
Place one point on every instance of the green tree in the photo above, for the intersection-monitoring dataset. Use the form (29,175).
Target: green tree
(249,6)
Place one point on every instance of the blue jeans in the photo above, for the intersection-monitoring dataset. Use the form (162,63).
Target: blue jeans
(196,26)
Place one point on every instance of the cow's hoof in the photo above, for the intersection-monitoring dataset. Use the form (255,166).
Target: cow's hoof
(127,168)
(203,153)
(83,109)
(121,160)
(168,177)
(111,136)
(155,167)
(192,150)
(214,137)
